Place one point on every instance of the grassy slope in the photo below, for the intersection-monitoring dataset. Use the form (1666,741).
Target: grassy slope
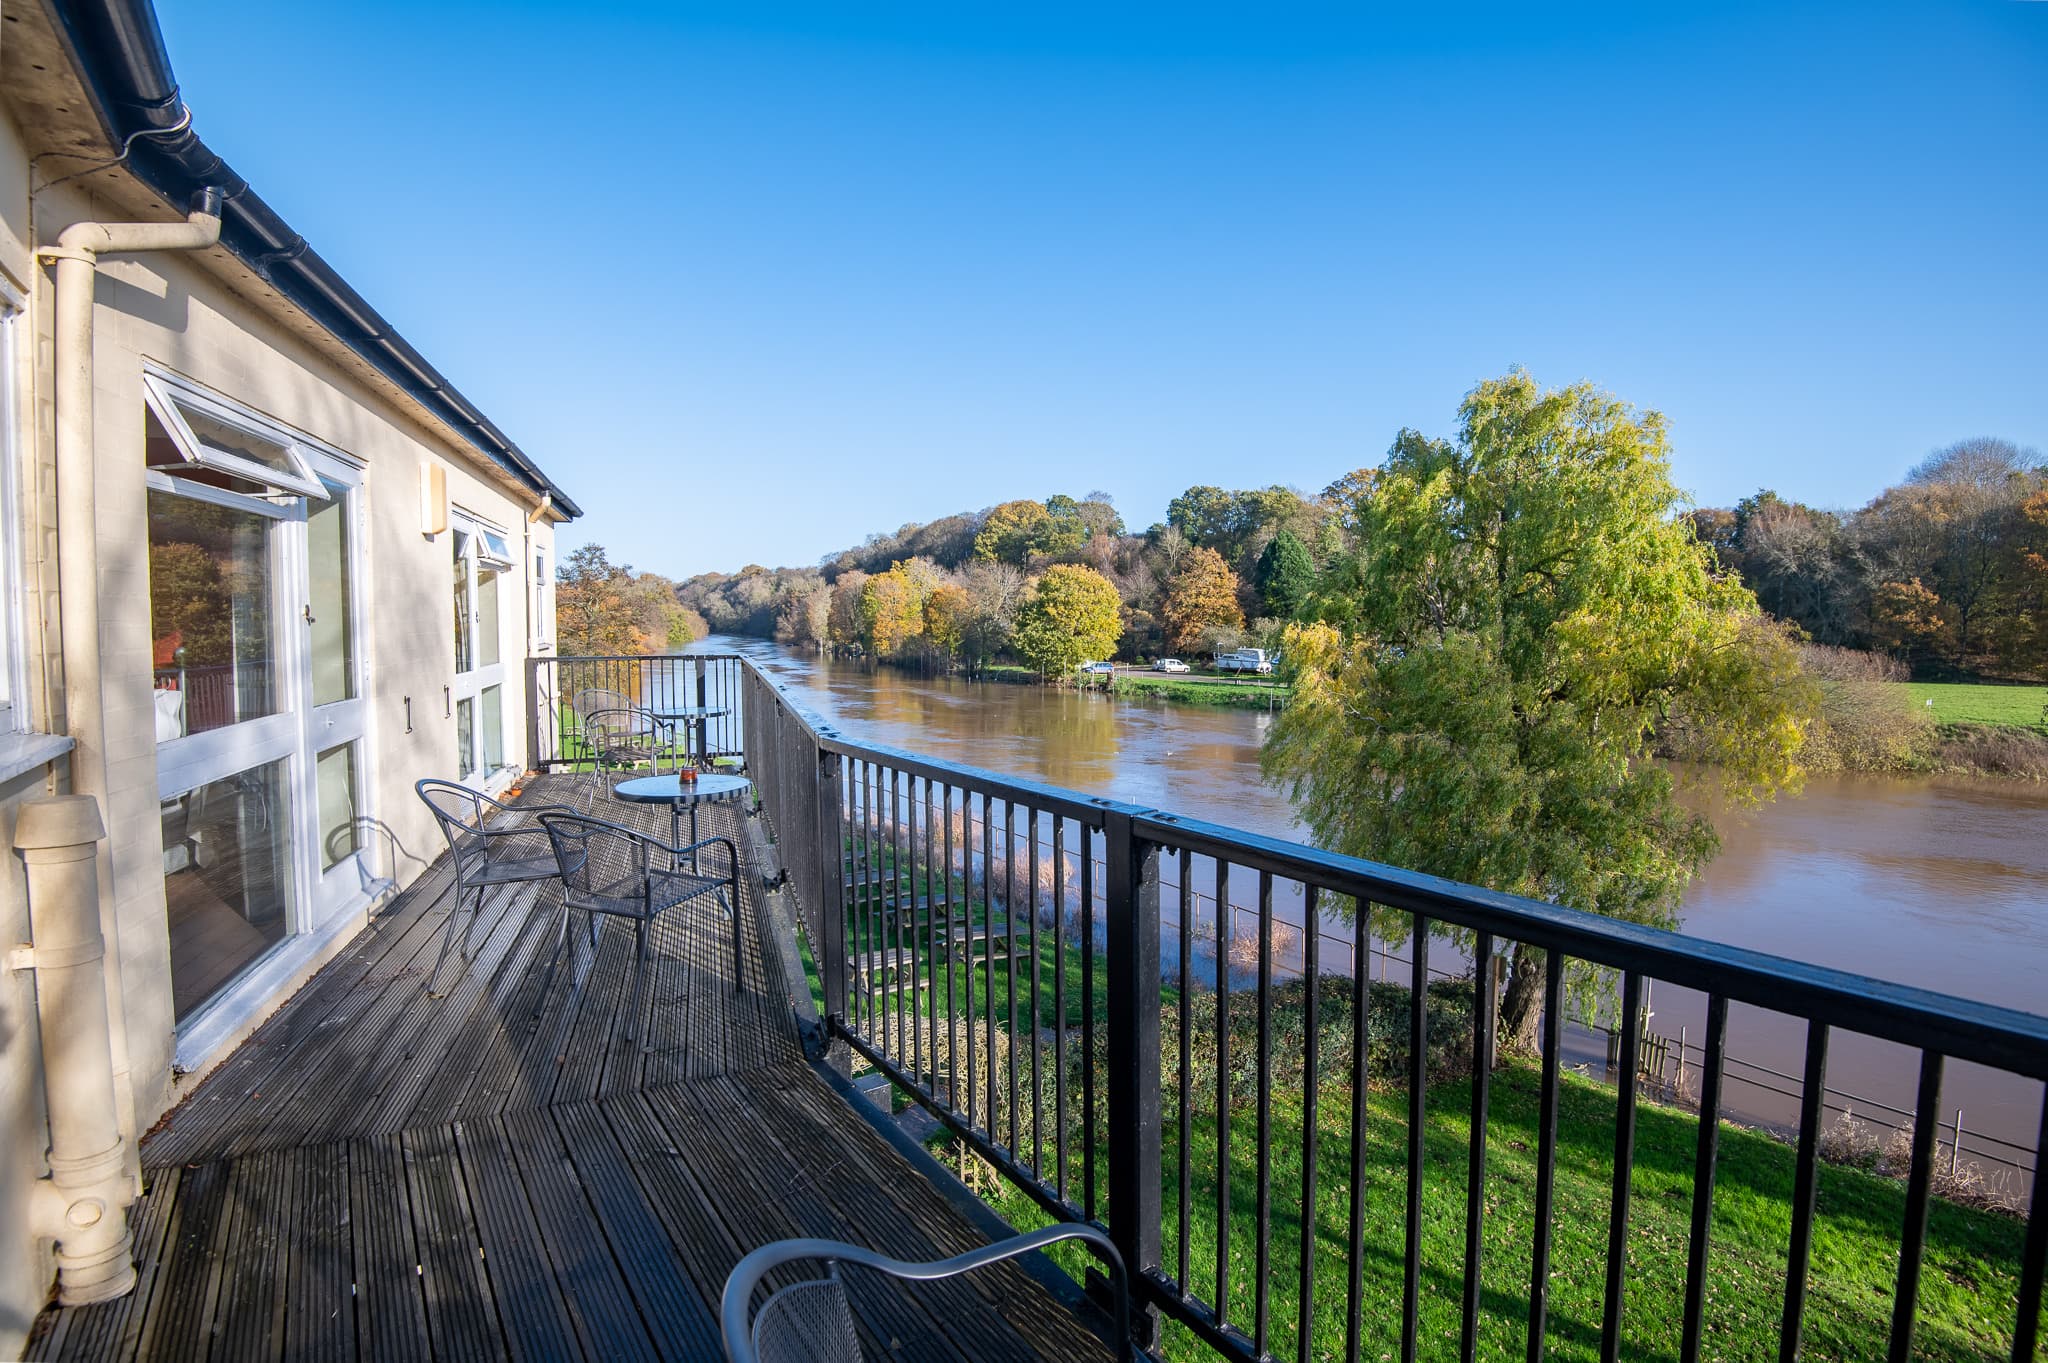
(2017,707)
(1968,1282)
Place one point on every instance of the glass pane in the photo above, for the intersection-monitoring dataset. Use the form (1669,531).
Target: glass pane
(218,435)
(327,549)
(226,873)
(487,642)
(335,775)
(496,550)
(210,622)
(463,652)
(465,739)
(493,720)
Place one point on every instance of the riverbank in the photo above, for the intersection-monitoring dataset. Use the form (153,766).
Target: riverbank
(1190,690)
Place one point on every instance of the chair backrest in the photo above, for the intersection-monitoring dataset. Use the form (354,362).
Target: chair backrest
(461,813)
(593,699)
(807,1322)
(592,856)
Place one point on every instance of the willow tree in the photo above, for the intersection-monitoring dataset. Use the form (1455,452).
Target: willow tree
(1532,612)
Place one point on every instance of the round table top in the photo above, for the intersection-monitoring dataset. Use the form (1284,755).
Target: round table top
(691,712)
(670,789)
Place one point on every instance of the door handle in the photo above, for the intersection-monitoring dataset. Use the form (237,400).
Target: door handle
(309,615)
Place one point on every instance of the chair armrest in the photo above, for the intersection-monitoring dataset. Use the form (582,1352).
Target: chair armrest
(734,1306)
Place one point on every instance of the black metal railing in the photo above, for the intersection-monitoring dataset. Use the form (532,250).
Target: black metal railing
(670,684)
(1033,966)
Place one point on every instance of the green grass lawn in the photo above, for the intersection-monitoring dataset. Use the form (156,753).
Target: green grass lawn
(2017,707)
(1968,1284)
(1199,691)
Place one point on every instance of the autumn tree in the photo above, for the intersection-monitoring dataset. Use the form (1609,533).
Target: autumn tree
(1010,532)
(1286,575)
(948,615)
(1531,612)
(891,613)
(594,607)
(1201,597)
(843,622)
(1070,617)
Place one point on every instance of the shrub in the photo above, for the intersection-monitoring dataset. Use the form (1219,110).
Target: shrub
(1994,751)
(1867,722)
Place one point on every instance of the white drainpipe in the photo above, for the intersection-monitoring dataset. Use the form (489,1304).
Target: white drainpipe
(83,1203)
(75,258)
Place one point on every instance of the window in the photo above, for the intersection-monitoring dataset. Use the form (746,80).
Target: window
(483,565)
(14,715)
(543,620)
(255,544)
(207,434)
(211,592)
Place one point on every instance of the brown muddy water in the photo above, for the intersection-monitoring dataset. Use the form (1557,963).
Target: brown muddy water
(1941,883)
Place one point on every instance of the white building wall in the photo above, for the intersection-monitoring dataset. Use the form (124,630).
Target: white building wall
(175,312)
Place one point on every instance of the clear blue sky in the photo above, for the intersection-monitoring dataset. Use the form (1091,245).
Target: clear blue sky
(755,281)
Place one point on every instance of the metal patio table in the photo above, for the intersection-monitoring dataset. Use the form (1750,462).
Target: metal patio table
(680,795)
(698,715)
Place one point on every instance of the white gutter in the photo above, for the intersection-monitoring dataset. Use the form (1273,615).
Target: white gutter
(75,260)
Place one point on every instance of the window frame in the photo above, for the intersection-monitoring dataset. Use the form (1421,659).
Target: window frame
(167,394)
(15,713)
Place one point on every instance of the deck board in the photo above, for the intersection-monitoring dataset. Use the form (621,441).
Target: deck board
(381,1174)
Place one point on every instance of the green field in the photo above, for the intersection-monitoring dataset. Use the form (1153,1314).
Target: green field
(2013,707)
(1188,690)
(1968,1283)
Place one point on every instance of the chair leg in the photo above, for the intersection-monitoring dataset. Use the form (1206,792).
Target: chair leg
(639,976)
(739,954)
(476,918)
(447,936)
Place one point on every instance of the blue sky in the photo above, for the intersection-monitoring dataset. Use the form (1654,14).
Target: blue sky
(754,281)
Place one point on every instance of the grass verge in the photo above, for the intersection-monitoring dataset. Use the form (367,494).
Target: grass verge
(1190,691)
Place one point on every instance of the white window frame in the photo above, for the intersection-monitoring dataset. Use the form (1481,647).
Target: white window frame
(15,714)
(167,393)
(318,900)
(489,547)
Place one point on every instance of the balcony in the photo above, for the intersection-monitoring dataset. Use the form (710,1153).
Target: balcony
(380,1174)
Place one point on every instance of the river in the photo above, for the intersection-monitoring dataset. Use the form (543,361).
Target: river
(1939,882)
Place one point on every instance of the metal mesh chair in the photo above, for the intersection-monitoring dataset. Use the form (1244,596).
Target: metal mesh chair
(609,870)
(489,844)
(630,739)
(811,1321)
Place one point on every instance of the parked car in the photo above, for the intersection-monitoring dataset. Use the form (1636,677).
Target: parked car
(1245,660)
(1103,669)
(1169,665)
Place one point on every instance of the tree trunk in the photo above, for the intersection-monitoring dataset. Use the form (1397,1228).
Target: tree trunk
(1521,1005)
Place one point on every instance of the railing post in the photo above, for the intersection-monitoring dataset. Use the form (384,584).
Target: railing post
(831,944)
(1132,1083)
(533,757)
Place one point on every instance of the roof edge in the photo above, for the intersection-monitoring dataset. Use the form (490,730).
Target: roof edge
(119,50)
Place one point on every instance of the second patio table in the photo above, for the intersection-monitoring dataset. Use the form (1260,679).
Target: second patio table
(696,717)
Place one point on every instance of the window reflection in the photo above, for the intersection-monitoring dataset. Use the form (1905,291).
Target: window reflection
(210,615)
(226,873)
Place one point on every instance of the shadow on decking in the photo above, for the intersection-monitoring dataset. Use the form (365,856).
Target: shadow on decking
(380,1174)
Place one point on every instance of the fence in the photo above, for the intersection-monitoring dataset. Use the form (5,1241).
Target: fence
(995,948)
(701,693)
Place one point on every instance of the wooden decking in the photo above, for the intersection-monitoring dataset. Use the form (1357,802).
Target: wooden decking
(379,1174)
